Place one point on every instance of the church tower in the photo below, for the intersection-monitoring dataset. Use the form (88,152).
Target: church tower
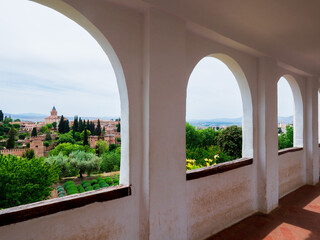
(54,111)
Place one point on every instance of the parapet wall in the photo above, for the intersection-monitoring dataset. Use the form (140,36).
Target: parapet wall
(17,152)
(290,172)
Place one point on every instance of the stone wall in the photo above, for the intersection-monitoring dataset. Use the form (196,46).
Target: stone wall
(16,151)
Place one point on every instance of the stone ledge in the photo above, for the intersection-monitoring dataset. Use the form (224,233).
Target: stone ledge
(219,168)
(287,150)
(47,207)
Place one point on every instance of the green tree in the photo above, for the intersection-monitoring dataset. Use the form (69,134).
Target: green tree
(61,125)
(44,129)
(46,144)
(11,140)
(98,129)
(75,126)
(34,132)
(193,137)
(118,127)
(7,120)
(101,147)
(29,154)
(230,141)
(62,161)
(25,181)
(85,137)
(16,125)
(23,136)
(67,148)
(285,140)
(110,161)
(54,125)
(48,136)
(66,138)
(112,147)
(1,116)
(84,162)
(81,125)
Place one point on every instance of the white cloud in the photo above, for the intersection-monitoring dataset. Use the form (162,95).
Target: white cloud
(46,59)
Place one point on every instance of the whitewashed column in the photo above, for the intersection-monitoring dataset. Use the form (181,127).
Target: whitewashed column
(267,167)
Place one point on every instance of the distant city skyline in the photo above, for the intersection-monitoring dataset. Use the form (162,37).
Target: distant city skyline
(50,60)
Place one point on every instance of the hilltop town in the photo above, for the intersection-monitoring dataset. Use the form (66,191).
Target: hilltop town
(43,136)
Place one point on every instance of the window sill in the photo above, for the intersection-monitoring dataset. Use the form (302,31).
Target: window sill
(47,207)
(287,150)
(219,168)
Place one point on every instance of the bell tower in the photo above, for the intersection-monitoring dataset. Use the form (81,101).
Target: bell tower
(54,111)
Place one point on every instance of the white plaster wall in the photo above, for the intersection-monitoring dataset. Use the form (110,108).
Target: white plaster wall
(157,53)
(218,201)
(109,220)
(291,174)
(117,219)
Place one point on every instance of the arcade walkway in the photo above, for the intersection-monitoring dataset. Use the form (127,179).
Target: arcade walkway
(296,218)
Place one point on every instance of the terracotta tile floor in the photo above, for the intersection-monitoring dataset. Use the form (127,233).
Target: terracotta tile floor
(296,218)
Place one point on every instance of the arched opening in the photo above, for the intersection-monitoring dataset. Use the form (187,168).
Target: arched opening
(75,65)
(218,105)
(290,113)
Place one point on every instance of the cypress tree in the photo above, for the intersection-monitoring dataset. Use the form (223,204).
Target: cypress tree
(61,125)
(75,124)
(34,132)
(80,125)
(1,116)
(98,129)
(118,127)
(85,138)
(66,126)
(10,141)
(88,126)
(92,128)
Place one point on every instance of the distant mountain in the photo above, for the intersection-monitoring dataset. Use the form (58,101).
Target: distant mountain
(229,121)
(286,120)
(35,117)
(217,122)
(38,117)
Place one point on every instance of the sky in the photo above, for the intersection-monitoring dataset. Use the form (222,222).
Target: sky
(47,59)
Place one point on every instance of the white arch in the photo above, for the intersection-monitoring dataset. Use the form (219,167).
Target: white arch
(79,18)
(298,111)
(247,115)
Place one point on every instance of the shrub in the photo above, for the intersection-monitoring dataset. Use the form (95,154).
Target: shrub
(93,181)
(69,183)
(25,181)
(116,180)
(103,184)
(89,188)
(80,188)
(108,180)
(86,185)
(84,181)
(96,186)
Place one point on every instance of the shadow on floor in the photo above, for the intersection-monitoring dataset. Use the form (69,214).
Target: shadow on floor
(296,218)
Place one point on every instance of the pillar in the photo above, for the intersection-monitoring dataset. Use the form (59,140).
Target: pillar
(267,162)
(311,117)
